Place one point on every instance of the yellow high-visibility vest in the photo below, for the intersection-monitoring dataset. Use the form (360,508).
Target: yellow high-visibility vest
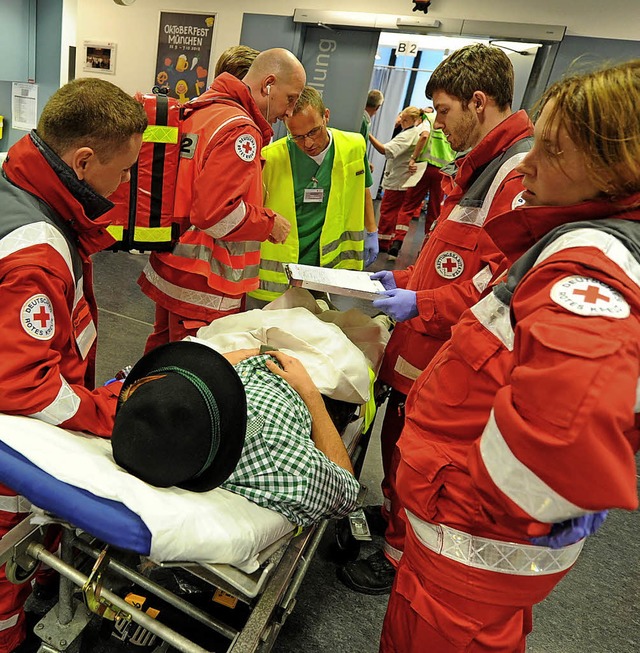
(342,236)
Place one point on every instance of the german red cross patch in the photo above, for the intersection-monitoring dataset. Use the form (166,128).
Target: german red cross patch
(246,147)
(36,317)
(449,265)
(586,296)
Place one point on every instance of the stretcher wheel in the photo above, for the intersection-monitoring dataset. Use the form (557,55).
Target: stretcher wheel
(17,573)
(345,548)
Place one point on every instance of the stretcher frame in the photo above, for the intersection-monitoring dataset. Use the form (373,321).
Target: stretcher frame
(270,591)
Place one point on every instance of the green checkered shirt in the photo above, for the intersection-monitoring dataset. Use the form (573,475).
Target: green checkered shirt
(280,467)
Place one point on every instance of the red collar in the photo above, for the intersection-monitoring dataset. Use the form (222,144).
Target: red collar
(514,232)
(35,168)
(228,89)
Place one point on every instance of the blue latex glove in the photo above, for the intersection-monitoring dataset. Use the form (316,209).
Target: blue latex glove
(385,277)
(371,247)
(571,530)
(398,303)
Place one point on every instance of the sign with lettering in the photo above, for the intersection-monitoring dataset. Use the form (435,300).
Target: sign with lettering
(406,49)
(184,49)
(339,60)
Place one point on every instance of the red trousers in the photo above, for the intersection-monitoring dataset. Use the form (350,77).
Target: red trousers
(431,183)
(390,206)
(392,511)
(171,327)
(398,207)
(12,597)
(423,617)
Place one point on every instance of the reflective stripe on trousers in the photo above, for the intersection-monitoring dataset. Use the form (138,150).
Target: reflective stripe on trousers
(16,504)
(493,555)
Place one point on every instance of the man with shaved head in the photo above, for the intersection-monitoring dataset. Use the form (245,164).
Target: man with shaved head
(219,198)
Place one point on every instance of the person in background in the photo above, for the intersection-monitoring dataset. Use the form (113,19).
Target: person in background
(375,98)
(432,149)
(472,91)
(317,178)
(236,61)
(219,196)
(521,432)
(53,192)
(396,173)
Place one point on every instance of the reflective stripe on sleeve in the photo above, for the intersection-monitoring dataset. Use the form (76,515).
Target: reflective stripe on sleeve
(5,624)
(519,483)
(609,245)
(37,233)
(482,279)
(495,317)
(62,408)
(477,216)
(228,223)
(406,369)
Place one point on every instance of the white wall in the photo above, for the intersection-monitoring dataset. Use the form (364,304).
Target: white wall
(135,28)
(68,34)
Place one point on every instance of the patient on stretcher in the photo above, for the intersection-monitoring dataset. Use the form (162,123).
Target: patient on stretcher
(71,476)
(252,423)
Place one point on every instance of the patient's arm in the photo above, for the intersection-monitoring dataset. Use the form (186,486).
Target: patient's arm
(323,432)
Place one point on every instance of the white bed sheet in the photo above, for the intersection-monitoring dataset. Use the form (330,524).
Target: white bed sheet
(216,527)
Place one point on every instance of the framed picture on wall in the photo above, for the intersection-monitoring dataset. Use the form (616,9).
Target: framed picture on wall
(99,57)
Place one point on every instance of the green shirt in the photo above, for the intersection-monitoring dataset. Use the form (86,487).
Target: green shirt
(310,216)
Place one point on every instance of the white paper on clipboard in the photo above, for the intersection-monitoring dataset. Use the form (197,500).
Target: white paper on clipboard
(24,106)
(416,176)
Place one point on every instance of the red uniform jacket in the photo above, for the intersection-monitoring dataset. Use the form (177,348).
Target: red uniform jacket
(456,262)
(508,431)
(49,316)
(220,194)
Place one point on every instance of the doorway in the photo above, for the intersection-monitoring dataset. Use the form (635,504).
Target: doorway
(402,67)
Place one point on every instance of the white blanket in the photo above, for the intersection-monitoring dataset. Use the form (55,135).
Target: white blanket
(337,366)
(216,526)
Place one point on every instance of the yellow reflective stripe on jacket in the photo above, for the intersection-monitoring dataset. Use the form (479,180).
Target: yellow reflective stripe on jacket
(341,240)
(143,234)
(160,134)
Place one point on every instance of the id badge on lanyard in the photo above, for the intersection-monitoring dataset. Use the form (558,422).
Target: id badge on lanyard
(313,193)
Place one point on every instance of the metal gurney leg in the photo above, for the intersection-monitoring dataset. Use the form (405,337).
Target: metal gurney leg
(61,628)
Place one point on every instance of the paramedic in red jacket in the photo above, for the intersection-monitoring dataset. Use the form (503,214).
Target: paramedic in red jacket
(220,197)
(522,431)
(472,92)
(53,192)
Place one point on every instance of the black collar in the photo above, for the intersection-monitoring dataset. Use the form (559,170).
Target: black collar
(94,205)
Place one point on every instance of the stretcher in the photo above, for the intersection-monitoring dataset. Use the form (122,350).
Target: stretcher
(250,560)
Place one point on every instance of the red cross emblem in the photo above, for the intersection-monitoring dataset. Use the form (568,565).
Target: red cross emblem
(449,265)
(246,147)
(36,317)
(42,316)
(591,294)
(589,297)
